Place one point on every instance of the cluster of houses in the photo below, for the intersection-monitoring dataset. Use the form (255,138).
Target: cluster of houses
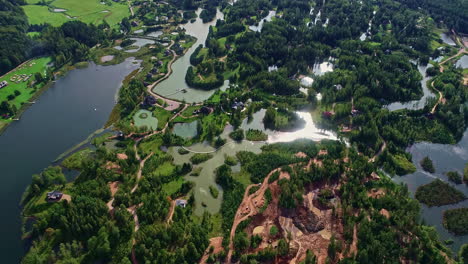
(3,84)
(20,78)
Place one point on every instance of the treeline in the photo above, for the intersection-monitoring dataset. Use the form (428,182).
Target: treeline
(15,45)
(130,95)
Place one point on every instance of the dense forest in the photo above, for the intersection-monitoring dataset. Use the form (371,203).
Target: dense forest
(15,45)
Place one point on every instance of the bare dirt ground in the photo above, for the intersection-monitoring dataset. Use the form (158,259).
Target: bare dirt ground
(122,156)
(66,197)
(114,187)
(171,211)
(376,193)
(216,243)
(249,207)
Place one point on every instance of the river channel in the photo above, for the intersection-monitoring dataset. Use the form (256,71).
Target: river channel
(67,113)
(172,87)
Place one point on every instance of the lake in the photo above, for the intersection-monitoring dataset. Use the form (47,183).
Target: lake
(67,113)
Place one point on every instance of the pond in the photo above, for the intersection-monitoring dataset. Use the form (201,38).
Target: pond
(145,118)
(268,18)
(445,158)
(447,39)
(174,86)
(186,130)
(64,115)
(155,34)
(462,62)
(139,42)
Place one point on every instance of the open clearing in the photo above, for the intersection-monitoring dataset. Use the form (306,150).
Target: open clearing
(88,11)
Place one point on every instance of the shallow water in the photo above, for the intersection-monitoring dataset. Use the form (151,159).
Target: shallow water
(186,130)
(64,115)
(462,62)
(145,118)
(260,24)
(447,39)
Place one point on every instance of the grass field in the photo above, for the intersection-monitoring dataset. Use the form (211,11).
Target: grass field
(41,14)
(33,66)
(88,11)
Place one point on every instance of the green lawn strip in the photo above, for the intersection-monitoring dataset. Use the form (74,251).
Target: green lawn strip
(162,115)
(165,169)
(173,186)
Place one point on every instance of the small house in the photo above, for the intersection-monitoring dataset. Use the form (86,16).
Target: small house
(54,196)
(181,203)
(3,84)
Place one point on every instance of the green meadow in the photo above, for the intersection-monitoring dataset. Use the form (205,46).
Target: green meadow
(88,11)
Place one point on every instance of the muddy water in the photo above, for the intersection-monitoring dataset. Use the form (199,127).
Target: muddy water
(446,158)
(172,87)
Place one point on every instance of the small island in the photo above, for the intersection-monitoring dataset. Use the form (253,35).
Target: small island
(438,193)
(456,221)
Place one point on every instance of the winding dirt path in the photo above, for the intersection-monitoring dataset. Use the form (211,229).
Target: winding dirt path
(171,212)
(248,204)
(460,52)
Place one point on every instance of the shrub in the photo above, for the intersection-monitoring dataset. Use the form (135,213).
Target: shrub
(454,177)
(427,165)
(200,157)
(273,231)
(214,191)
(237,134)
